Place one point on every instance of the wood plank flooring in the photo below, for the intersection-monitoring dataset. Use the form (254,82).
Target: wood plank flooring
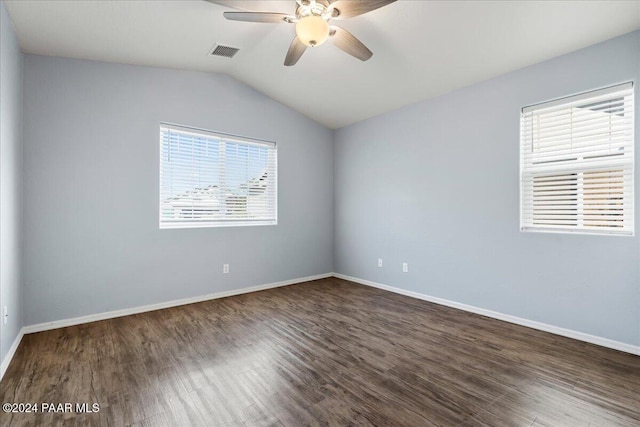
(328,352)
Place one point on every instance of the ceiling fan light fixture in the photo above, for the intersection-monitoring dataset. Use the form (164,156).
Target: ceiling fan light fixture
(312,30)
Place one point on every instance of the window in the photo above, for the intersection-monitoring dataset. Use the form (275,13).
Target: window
(209,179)
(576,163)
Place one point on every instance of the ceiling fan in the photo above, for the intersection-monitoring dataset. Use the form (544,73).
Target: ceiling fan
(312,18)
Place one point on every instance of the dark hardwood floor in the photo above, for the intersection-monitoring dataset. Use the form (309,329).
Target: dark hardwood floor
(328,352)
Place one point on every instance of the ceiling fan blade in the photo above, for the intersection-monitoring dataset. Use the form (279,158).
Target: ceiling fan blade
(270,18)
(344,40)
(234,4)
(351,8)
(296,50)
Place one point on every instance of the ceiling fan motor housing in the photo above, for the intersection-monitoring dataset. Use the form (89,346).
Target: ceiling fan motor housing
(314,8)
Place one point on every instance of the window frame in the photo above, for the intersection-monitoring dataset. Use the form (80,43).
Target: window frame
(224,137)
(626,169)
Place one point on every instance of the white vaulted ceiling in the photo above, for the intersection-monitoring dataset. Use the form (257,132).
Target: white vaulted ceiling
(421,49)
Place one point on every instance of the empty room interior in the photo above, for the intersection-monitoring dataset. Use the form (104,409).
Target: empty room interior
(319,212)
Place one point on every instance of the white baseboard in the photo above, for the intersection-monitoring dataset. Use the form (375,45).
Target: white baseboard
(604,342)
(141,309)
(10,353)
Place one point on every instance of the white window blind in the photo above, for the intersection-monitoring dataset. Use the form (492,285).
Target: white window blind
(209,179)
(576,163)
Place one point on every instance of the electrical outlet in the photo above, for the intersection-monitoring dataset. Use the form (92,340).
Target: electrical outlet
(405,267)
(225,268)
(5,315)
(379,262)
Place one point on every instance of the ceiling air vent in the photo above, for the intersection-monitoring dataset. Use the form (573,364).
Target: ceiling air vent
(221,50)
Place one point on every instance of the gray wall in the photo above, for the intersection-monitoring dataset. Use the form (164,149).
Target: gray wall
(92,242)
(436,185)
(10,182)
